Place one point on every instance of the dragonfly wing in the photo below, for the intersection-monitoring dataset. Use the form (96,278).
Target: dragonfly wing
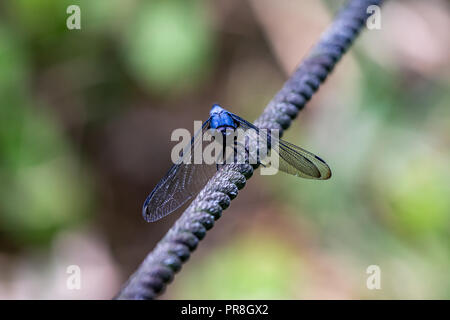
(292,159)
(182,182)
(299,162)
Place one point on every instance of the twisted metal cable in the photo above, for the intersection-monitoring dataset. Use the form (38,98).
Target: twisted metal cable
(160,265)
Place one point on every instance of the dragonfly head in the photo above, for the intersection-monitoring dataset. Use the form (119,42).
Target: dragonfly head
(216,109)
(221,118)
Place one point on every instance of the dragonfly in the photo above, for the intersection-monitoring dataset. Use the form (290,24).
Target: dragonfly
(184,180)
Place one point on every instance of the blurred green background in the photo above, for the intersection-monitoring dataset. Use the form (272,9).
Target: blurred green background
(85,123)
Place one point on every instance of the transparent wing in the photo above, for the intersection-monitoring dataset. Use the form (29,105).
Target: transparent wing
(181,183)
(293,159)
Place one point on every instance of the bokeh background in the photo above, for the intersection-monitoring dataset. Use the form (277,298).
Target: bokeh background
(85,123)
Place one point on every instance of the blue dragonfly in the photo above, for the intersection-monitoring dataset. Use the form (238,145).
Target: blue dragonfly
(185,180)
